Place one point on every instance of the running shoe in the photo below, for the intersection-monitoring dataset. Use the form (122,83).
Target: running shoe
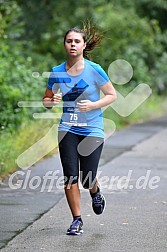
(75,228)
(98,202)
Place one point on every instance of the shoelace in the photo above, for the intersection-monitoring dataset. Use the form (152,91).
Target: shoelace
(97,199)
(75,224)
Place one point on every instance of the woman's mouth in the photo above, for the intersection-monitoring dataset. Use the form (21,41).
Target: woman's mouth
(73,50)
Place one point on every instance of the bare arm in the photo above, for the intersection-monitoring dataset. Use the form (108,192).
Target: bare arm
(109,97)
(50,99)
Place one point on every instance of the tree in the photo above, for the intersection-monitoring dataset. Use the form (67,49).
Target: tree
(16,81)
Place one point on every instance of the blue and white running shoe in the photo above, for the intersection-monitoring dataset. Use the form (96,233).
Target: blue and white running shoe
(75,228)
(98,202)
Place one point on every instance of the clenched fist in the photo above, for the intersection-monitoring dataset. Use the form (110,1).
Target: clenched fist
(57,98)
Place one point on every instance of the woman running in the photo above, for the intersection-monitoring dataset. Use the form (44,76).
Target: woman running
(80,131)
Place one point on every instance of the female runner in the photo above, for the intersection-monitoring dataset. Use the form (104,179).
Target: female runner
(80,131)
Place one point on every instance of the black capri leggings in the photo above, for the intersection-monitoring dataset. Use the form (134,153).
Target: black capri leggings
(79,156)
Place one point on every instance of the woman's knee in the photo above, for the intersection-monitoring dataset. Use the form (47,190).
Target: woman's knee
(70,180)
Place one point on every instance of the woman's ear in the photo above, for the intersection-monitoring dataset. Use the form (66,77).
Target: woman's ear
(84,45)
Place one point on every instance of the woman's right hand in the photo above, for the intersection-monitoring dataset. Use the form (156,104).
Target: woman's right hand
(57,98)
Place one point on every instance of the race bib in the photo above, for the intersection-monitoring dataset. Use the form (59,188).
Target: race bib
(71,114)
(73,117)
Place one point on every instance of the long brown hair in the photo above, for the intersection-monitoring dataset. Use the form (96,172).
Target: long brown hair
(89,35)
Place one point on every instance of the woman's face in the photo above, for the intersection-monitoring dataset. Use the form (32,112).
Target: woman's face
(74,44)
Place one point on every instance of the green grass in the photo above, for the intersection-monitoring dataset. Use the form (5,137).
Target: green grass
(31,132)
(13,145)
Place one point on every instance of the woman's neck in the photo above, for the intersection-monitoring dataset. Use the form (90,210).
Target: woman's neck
(74,66)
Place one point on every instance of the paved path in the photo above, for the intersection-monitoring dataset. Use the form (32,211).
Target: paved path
(134,180)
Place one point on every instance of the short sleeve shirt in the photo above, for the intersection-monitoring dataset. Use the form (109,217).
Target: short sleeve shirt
(74,89)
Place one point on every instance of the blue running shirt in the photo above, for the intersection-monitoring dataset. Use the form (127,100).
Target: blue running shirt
(85,86)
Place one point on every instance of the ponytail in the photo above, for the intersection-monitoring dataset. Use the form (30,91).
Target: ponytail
(93,39)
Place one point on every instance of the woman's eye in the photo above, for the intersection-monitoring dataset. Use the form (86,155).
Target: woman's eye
(71,41)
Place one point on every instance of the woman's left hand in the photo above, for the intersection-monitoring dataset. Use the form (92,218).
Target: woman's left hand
(85,105)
